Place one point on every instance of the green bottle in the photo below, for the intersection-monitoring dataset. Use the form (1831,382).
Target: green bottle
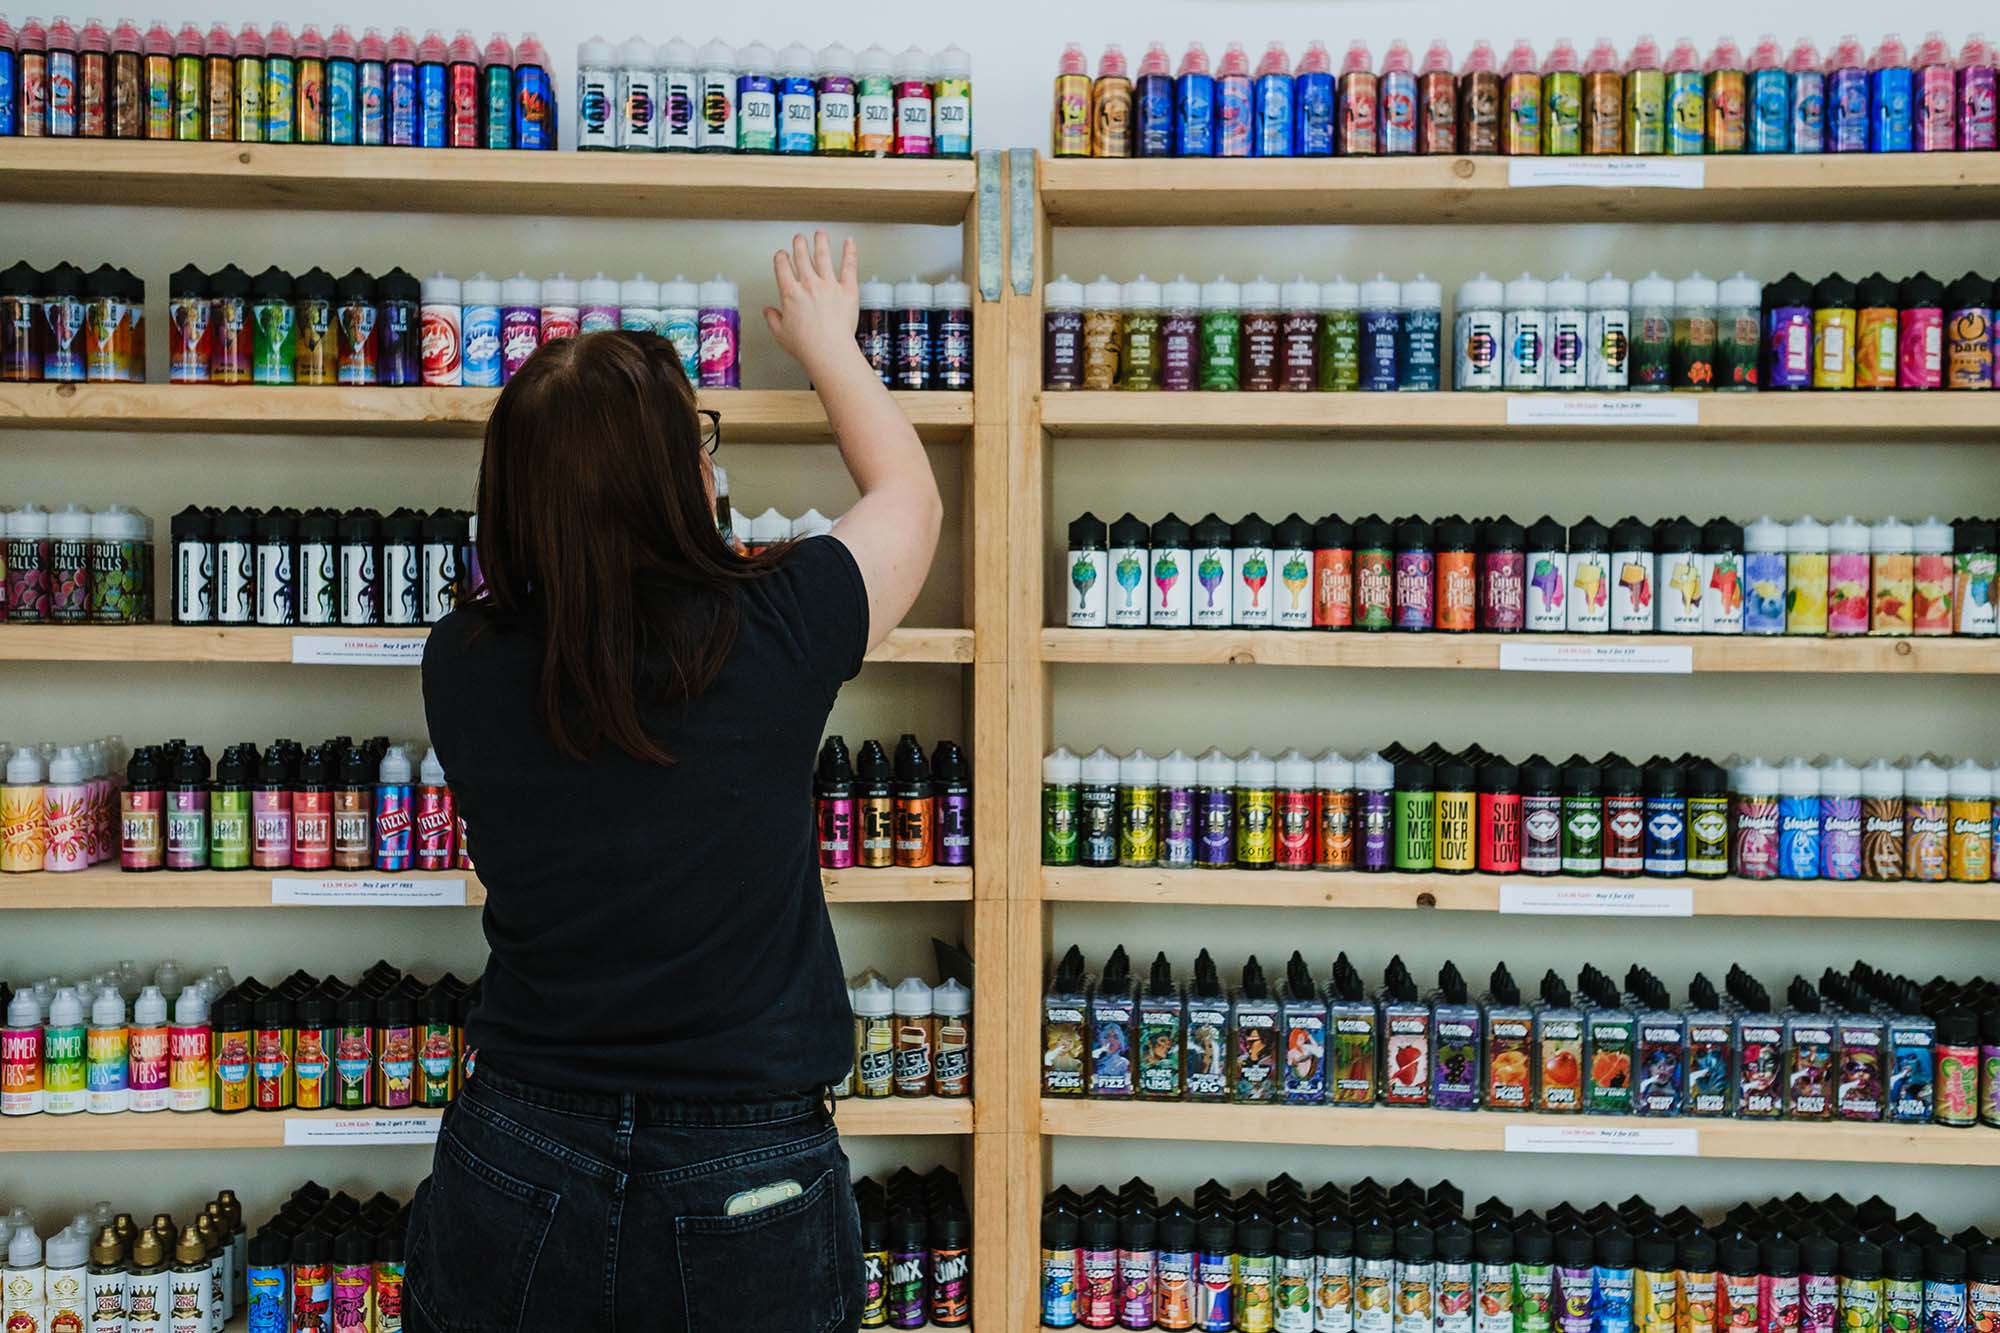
(1340,336)
(1221,302)
(1062,772)
(1139,354)
(1582,818)
(229,813)
(273,329)
(1416,816)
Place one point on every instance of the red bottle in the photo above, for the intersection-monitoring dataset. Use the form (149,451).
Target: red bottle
(437,816)
(312,814)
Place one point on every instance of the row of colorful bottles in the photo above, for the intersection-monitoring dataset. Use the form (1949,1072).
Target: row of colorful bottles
(1927,820)
(912,1039)
(103,1270)
(1862,1046)
(70,566)
(1367,1258)
(721,99)
(1682,105)
(309,1043)
(1454,575)
(65,326)
(62,82)
(871,815)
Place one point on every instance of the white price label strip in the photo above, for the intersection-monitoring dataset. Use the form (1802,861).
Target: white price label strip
(301,1132)
(1603,409)
(366,891)
(1616,655)
(1604,1140)
(1644,173)
(1555,898)
(357,650)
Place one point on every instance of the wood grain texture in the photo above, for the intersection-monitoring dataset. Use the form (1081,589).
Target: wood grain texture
(1455,190)
(1485,1131)
(749,416)
(1884,418)
(268,643)
(1481,652)
(106,887)
(524,184)
(1350,890)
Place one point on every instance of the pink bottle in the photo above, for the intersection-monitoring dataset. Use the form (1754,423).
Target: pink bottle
(34,77)
(1233,111)
(1397,115)
(1437,101)
(1357,101)
(1934,97)
(1977,129)
(66,803)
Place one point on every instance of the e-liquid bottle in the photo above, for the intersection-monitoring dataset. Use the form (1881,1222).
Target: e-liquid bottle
(1138,809)
(1381,334)
(1582,818)
(874,806)
(1588,575)
(1177,819)
(1525,341)
(1097,808)
(833,806)
(1478,331)
(915,806)
(1653,316)
(1215,811)
(1256,802)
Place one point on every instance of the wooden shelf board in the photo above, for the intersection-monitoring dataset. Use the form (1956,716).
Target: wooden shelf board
(1485,1131)
(1455,190)
(164,1131)
(749,416)
(1481,652)
(1883,418)
(1352,890)
(271,643)
(106,887)
(518,184)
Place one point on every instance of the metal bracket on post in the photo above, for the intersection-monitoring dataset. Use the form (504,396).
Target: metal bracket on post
(989,224)
(1021,251)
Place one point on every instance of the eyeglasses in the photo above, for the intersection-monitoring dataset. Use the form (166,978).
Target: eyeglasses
(711,434)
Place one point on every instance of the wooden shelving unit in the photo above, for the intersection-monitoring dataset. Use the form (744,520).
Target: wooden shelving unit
(1486,1131)
(1895,418)
(272,643)
(1353,891)
(107,888)
(166,1131)
(561,184)
(749,416)
(1454,191)
(1481,652)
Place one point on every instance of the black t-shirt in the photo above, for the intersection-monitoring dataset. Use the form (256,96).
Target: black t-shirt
(659,929)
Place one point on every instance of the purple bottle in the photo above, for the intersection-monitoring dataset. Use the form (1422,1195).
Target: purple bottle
(909,1273)
(1178,775)
(520,323)
(1416,575)
(1374,779)
(1839,820)
(951,779)
(1847,119)
(719,335)
(1978,127)
(915,346)
(395,810)
(1215,811)
(1788,333)
(402,355)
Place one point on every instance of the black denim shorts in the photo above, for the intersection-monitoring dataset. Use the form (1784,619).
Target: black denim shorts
(579,1211)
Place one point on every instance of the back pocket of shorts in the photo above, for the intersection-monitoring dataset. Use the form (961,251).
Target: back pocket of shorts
(482,1237)
(792,1249)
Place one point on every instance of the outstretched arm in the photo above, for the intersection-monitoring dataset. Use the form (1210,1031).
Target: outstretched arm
(892,530)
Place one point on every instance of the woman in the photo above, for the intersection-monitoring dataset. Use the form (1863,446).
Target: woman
(629,715)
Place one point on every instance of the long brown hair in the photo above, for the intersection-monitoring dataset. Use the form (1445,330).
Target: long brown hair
(596,533)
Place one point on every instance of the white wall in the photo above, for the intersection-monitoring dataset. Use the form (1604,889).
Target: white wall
(1014,49)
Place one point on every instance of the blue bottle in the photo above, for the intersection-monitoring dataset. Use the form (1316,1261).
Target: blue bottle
(372,81)
(1770,107)
(1381,331)
(1234,106)
(1153,106)
(1847,100)
(1194,106)
(534,98)
(1313,121)
(1274,104)
(431,112)
(1417,341)
(1798,820)
(1891,86)
(402,71)
(1808,100)
(267,1282)
(9,118)
(343,99)
(479,323)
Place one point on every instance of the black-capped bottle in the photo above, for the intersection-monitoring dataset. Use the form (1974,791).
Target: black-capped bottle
(874,801)
(1089,573)
(1541,816)
(1624,826)
(1582,817)
(914,808)
(1125,564)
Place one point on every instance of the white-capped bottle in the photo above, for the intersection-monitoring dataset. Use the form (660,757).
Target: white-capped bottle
(1527,335)
(638,95)
(1805,577)
(678,113)
(798,101)
(1178,775)
(1931,577)
(1694,332)
(715,114)
(596,95)
(836,101)
(442,319)
(108,1054)
(639,304)
(1608,334)
(23,1289)
(1422,319)
(480,330)
(597,303)
(1764,569)
(1138,809)
(1568,333)
(1891,543)
(1478,330)
(915,1038)
(64,1262)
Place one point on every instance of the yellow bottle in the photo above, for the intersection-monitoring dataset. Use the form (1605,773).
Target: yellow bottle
(24,833)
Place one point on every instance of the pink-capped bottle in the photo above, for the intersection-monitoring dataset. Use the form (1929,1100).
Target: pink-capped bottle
(372,88)
(1358,100)
(1977,127)
(1847,97)
(461,92)
(1808,98)
(1562,101)
(1521,102)
(1437,101)
(10,116)
(1934,97)
(311,78)
(1603,100)
(1769,109)
(1397,117)
(281,85)
(1235,116)
(219,84)
(1728,99)
(496,94)
(34,77)
(1686,100)
(249,84)
(128,82)
(1315,132)
(93,81)
(188,92)
(1479,100)
(62,79)
(1274,111)
(403,106)
(156,117)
